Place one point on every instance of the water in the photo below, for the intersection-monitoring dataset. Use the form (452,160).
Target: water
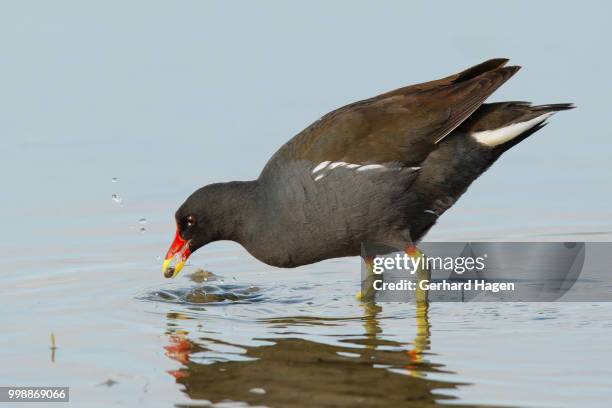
(175,97)
(242,331)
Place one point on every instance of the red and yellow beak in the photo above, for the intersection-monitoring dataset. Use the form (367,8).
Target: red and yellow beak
(178,252)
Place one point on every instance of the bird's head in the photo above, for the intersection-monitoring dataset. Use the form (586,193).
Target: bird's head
(194,229)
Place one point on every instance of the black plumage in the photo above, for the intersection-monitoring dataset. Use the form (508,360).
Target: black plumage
(379,170)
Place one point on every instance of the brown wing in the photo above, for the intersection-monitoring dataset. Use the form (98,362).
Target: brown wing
(402,125)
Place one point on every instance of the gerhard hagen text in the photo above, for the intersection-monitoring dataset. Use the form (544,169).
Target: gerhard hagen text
(444,285)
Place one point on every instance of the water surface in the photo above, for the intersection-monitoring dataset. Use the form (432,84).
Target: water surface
(244,332)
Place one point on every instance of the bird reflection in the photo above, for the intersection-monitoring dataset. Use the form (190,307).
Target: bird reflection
(366,370)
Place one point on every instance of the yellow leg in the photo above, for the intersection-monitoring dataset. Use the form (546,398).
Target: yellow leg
(367,293)
(421,340)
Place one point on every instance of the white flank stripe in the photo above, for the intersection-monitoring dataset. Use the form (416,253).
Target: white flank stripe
(371,167)
(325,168)
(336,164)
(496,137)
(320,166)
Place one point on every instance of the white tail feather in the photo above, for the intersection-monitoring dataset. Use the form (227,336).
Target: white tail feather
(496,137)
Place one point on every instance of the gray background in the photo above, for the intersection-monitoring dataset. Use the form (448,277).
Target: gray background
(170,96)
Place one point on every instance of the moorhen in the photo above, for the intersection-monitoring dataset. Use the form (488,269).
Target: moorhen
(378,170)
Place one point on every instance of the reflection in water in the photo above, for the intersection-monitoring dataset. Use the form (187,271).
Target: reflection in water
(296,372)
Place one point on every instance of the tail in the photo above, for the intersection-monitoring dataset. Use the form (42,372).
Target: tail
(504,124)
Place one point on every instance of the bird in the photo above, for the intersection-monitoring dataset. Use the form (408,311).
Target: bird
(383,169)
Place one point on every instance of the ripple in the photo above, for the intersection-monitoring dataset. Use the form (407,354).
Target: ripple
(207,294)
(213,293)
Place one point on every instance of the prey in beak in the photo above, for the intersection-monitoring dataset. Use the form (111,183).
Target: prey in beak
(179,252)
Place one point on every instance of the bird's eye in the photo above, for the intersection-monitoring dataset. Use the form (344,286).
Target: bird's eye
(191,221)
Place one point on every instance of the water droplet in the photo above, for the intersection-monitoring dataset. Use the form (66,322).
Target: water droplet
(143,230)
(114,179)
(142,221)
(158,258)
(116,198)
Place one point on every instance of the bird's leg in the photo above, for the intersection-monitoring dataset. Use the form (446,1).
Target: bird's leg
(367,292)
(422,274)
(421,339)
